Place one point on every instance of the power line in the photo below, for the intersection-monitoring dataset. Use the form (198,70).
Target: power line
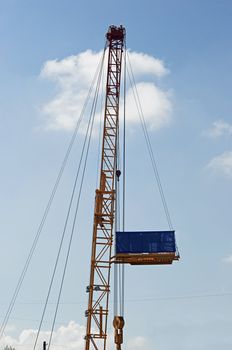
(174,297)
(136,300)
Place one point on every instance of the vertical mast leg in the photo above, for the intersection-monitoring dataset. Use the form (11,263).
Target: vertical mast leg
(99,286)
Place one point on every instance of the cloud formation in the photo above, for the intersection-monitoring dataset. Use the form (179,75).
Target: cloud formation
(143,64)
(156,105)
(222,164)
(70,337)
(72,77)
(219,128)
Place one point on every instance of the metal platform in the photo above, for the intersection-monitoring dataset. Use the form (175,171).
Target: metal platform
(145,259)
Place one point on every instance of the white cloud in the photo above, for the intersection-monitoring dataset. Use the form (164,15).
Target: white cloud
(143,64)
(222,164)
(63,111)
(155,103)
(70,336)
(72,77)
(219,128)
(228,259)
(72,71)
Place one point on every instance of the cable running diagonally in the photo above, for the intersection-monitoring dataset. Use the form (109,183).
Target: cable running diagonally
(93,112)
(70,204)
(148,142)
(100,128)
(47,209)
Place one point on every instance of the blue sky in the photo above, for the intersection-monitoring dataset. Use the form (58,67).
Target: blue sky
(187,305)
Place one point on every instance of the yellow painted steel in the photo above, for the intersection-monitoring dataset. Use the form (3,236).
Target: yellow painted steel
(146,258)
(99,285)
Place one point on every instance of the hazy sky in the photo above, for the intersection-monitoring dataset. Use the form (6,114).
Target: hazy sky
(182,59)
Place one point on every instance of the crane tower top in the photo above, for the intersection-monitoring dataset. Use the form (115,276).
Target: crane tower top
(116,33)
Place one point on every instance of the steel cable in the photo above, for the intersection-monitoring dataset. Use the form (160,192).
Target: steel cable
(46,211)
(119,270)
(124,176)
(148,143)
(69,211)
(93,112)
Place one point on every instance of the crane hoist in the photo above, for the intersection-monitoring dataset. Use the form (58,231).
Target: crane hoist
(135,248)
(109,244)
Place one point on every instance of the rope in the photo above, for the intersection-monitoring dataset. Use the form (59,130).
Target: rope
(100,132)
(70,205)
(116,265)
(119,270)
(124,178)
(117,227)
(46,211)
(73,225)
(148,143)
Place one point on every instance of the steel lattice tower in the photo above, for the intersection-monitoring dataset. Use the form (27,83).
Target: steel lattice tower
(99,286)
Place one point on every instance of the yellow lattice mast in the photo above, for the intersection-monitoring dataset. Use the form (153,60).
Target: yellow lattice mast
(99,286)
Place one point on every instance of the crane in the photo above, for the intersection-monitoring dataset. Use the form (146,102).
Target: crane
(135,248)
(109,245)
(99,285)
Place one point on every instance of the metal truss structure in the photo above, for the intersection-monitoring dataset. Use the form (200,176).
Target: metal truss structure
(99,286)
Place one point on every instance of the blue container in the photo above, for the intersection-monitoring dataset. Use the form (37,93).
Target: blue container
(145,242)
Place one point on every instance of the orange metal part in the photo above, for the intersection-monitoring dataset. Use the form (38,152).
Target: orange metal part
(145,259)
(99,285)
